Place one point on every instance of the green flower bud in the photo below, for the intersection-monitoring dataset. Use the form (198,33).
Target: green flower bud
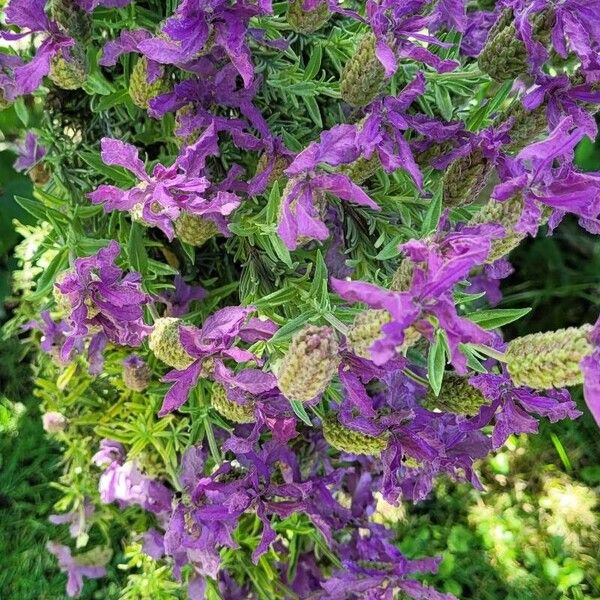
(507,214)
(307,21)
(549,360)
(238,413)
(347,440)
(465,178)
(140,90)
(402,279)
(363,77)
(194,230)
(71,18)
(366,330)
(281,164)
(527,127)
(69,73)
(504,55)
(136,374)
(423,159)
(362,169)
(309,364)
(456,396)
(165,343)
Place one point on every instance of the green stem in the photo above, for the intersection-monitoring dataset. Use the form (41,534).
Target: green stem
(489,352)
(212,442)
(415,377)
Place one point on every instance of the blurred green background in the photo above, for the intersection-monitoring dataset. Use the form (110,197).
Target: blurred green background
(534,532)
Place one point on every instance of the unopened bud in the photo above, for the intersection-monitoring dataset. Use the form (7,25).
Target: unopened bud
(364,76)
(362,169)
(136,373)
(354,442)
(507,214)
(69,71)
(457,395)
(527,126)
(307,21)
(71,18)
(403,276)
(549,360)
(54,422)
(238,413)
(309,364)
(465,178)
(140,90)
(194,229)
(504,55)
(165,343)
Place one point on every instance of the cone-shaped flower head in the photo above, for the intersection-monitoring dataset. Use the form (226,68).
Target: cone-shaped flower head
(143,85)
(363,76)
(302,20)
(165,343)
(362,169)
(309,364)
(71,18)
(54,422)
(505,55)
(508,214)
(136,373)
(68,69)
(528,125)
(456,396)
(230,409)
(549,360)
(194,230)
(348,440)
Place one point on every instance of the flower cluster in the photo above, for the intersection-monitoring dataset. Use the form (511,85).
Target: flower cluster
(295,217)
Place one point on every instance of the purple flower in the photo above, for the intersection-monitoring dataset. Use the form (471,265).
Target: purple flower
(75,570)
(576,29)
(591,374)
(127,485)
(534,175)
(30,17)
(214,343)
(373,567)
(300,215)
(488,281)
(169,190)
(29,152)
(78,520)
(179,299)
(110,451)
(564,99)
(439,265)
(103,302)
(398,27)
(193,30)
(513,406)
(475,36)
(53,333)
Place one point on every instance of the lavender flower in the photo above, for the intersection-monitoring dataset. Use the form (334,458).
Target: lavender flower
(102,302)
(30,152)
(75,569)
(179,299)
(161,197)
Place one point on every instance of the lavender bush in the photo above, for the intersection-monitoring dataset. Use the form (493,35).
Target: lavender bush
(260,289)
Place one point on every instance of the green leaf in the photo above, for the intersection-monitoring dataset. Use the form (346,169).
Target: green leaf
(444,102)
(434,211)
(313,110)
(314,64)
(136,250)
(319,288)
(497,317)
(272,212)
(300,411)
(21,110)
(58,264)
(436,363)
(111,100)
